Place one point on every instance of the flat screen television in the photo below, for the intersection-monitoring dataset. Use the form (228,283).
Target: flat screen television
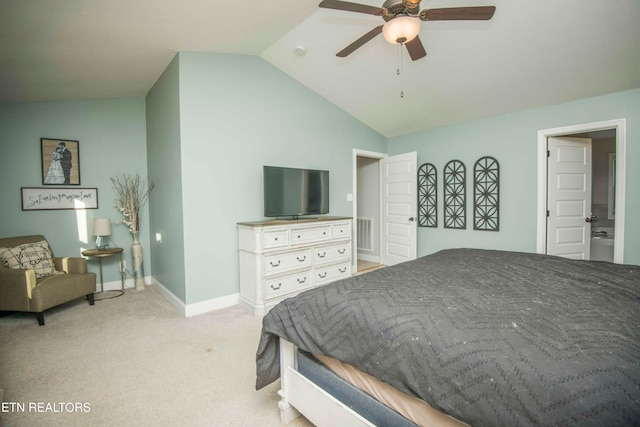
(291,192)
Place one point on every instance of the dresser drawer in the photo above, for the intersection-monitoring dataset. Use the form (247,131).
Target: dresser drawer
(341,230)
(275,239)
(287,284)
(330,273)
(311,234)
(287,261)
(325,254)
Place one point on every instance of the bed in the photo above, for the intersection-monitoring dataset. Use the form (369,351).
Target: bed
(487,337)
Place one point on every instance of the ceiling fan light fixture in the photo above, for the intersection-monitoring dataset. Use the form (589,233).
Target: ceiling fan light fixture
(401,29)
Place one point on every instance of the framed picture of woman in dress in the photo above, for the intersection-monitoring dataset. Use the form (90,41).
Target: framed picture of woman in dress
(60,161)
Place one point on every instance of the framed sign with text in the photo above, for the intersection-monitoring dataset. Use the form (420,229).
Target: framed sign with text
(58,198)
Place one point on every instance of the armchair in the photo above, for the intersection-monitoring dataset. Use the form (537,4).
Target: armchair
(49,281)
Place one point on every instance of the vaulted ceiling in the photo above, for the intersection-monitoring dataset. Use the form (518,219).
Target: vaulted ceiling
(531,53)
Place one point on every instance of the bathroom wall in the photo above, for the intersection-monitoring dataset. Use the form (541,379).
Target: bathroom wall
(602,228)
(600,181)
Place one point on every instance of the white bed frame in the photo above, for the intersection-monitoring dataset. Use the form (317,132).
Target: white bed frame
(299,395)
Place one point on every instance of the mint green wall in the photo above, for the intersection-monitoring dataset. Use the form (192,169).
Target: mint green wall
(112,140)
(165,170)
(238,113)
(512,140)
(213,120)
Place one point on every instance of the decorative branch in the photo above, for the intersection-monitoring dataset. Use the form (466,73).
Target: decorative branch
(132,194)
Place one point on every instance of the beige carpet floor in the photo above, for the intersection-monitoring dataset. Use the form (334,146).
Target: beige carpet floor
(133,361)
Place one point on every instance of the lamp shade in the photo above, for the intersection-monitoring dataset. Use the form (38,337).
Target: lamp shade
(401,29)
(101,227)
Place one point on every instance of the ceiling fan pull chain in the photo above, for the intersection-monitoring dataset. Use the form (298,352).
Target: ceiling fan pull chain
(399,70)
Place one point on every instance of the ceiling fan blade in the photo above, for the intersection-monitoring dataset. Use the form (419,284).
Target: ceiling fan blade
(474,13)
(352,7)
(362,40)
(416,49)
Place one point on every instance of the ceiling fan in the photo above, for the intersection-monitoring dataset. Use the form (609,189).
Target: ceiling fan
(403,18)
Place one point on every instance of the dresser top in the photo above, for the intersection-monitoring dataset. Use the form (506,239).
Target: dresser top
(276,222)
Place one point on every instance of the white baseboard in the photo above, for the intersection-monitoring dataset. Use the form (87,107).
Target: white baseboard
(116,285)
(188,310)
(169,296)
(212,305)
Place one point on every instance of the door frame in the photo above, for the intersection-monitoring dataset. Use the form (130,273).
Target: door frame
(620,126)
(354,236)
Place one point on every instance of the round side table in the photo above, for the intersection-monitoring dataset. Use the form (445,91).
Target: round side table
(103,253)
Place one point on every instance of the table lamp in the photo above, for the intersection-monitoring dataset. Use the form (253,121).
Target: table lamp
(102,231)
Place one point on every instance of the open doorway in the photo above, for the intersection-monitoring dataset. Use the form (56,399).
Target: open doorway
(604,217)
(602,221)
(367,210)
(385,209)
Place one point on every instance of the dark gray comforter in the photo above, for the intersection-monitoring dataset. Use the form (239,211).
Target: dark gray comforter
(490,337)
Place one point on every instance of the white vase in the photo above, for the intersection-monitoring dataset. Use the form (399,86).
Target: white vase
(138,272)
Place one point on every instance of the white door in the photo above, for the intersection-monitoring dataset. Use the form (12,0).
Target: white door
(569,197)
(400,208)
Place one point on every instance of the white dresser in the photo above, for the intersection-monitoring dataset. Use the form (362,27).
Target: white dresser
(281,258)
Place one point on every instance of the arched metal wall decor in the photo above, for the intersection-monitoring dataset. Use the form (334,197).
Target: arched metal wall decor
(427,196)
(486,194)
(455,195)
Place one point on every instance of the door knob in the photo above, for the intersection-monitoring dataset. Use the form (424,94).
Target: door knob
(411,219)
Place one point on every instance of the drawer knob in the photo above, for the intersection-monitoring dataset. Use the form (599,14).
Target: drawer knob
(275,288)
(303,259)
(341,251)
(274,265)
(342,270)
(304,279)
(322,255)
(322,275)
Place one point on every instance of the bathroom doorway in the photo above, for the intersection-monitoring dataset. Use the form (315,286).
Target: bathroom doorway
(603,161)
(602,231)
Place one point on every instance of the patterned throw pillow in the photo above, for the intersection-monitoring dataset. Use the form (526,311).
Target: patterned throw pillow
(36,256)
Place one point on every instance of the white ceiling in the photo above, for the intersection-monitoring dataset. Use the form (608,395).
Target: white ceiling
(532,53)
